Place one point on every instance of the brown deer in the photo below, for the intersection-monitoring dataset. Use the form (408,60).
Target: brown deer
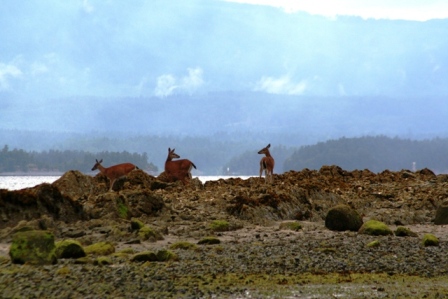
(114,172)
(178,169)
(267,164)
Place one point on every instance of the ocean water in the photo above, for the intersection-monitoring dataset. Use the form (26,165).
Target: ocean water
(12,182)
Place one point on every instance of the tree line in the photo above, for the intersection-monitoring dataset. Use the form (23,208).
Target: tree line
(18,160)
(374,153)
(212,157)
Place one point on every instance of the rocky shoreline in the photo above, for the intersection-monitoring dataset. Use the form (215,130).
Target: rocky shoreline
(257,253)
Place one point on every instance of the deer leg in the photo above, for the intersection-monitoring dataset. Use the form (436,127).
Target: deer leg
(111,185)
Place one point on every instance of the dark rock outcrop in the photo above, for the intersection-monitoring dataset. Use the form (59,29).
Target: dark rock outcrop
(342,218)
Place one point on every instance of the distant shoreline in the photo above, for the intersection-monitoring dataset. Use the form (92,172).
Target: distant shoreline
(32,173)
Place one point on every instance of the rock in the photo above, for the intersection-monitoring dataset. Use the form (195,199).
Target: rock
(136,224)
(209,241)
(100,248)
(33,247)
(430,240)
(342,218)
(74,184)
(166,255)
(291,225)
(375,228)
(69,249)
(102,261)
(147,233)
(402,231)
(34,203)
(145,256)
(441,215)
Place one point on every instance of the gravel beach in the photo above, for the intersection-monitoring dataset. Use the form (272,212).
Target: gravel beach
(255,254)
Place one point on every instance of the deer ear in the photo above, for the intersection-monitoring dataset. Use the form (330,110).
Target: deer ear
(169,149)
(101,161)
(269,145)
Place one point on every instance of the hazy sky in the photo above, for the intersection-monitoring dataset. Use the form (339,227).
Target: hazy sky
(420,10)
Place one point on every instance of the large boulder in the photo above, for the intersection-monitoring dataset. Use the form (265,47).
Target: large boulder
(33,247)
(342,218)
(441,215)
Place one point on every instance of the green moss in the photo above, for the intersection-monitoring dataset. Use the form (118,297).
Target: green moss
(166,255)
(183,245)
(122,209)
(147,233)
(69,249)
(291,225)
(127,251)
(100,248)
(63,271)
(375,243)
(430,240)
(209,241)
(375,228)
(102,261)
(219,225)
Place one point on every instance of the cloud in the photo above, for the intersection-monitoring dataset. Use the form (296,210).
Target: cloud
(420,10)
(88,8)
(168,84)
(282,85)
(8,71)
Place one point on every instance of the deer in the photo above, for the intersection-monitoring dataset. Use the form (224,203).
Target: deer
(114,172)
(178,169)
(267,164)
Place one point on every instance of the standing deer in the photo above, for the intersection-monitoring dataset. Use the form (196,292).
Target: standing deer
(267,164)
(114,172)
(179,169)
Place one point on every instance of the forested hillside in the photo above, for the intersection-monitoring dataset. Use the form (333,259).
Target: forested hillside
(373,153)
(18,160)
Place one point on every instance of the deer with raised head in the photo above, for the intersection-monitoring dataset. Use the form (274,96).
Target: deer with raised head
(178,169)
(267,164)
(114,172)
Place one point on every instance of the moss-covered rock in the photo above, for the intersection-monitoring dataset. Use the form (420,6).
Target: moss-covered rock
(136,224)
(219,225)
(402,231)
(69,249)
(145,256)
(375,243)
(100,248)
(102,261)
(430,240)
(342,218)
(291,225)
(166,255)
(183,245)
(209,241)
(375,228)
(33,247)
(147,233)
